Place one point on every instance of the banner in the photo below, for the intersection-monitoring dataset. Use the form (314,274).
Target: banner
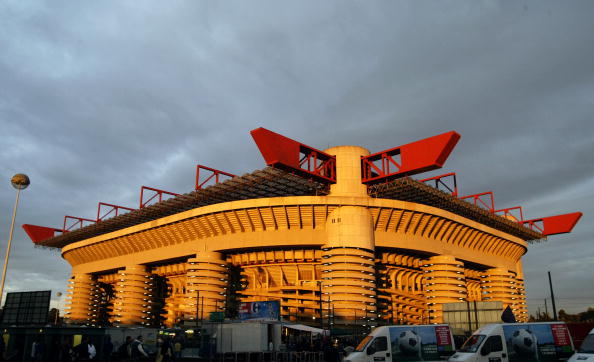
(269,310)
(539,342)
(420,343)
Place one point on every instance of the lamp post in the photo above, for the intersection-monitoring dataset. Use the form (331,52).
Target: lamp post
(20,181)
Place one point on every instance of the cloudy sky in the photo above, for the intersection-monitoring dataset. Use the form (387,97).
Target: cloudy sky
(99,98)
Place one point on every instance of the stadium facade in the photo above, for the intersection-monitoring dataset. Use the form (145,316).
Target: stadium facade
(340,234)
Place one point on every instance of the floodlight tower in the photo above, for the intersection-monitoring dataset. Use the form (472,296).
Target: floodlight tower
(20,181)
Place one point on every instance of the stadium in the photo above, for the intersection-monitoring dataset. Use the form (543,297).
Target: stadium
(339,235)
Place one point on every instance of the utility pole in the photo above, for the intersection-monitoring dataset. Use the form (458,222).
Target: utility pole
(552,298)
(546,308)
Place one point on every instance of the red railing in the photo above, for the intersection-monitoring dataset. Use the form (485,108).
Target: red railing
(158,193)
(80,222)
(112,209)
(479,200)
(440,181)
(513,213)
(213,174)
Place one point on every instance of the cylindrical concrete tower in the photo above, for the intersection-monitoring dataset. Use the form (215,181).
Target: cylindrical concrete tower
(80,293)
(348,274)
(520,308)
(206,278)
(499,284)
(444,283)
(133,296)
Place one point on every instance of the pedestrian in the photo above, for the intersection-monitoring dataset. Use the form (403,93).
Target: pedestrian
(177,348)
(37,350)
(107,349)
(85,351)
(137,351)
(124,354)
(65,351)
(166,351)
(2,348)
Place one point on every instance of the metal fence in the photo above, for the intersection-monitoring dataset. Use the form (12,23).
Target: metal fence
(270,357)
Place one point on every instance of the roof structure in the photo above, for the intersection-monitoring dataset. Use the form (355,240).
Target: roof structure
(269,182)
(407,189)
(272,182)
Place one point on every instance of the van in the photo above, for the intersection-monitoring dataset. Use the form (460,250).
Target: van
(586,350)
(405,343)
(515,342)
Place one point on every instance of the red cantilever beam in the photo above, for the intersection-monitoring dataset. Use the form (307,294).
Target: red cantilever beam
(552,225)
(40,233)
(289,155)
(410,159)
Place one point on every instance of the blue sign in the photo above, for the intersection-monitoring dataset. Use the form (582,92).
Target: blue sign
(260,310)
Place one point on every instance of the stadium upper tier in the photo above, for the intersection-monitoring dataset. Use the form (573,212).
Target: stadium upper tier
(271,182)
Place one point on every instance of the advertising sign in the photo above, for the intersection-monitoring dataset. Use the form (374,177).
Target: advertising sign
(541,342)
(420,343)
(269,310)
(29,308)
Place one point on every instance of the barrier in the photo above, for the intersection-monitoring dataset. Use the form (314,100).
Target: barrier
(268,357)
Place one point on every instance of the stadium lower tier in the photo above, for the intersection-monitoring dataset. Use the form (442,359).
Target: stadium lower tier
(343,286)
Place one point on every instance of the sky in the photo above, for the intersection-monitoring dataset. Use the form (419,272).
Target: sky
(100,98)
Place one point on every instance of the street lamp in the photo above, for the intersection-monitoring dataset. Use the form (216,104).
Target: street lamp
(20,181)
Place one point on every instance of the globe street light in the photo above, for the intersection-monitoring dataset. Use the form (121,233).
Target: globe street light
(20,181)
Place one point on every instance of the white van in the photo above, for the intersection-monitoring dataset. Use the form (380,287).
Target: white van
(586,350)
(515,342)
(405,343)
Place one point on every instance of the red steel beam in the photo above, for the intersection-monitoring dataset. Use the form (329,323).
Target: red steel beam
(112,208)
(158,193)
(552,225)
(37,234)
(214,173)
(440,180)
(410,159)
(79,221)
(289,155)
(518,216)
(478,200)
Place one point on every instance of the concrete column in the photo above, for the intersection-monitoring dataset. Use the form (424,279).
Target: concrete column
(348,260)
(206,277)
(521,308)
(348,171)
(133,301)
(80,307)
(444,282)
(348,265)
(499,284)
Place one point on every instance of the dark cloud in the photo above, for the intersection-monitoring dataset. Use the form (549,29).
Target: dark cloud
(98,99)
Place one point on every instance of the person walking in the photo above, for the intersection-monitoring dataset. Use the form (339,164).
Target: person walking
(177,348)
(124,354)
(107,349)
(85,351)
(137,350)
(37,350)
(166,351)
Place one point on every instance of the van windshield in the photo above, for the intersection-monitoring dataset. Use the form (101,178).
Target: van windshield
(587,345)
(363,344)
(472,343)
